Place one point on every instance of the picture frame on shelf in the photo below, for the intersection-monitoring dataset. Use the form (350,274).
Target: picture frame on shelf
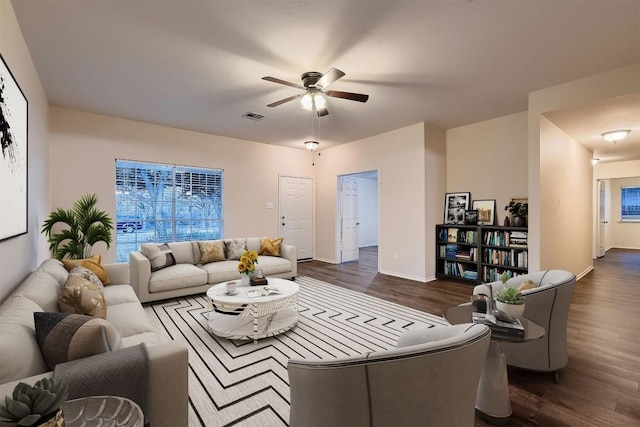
(486,211)
(471,217)
(13,162)
(455,205)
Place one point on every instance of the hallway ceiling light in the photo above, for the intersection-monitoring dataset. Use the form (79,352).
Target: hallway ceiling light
(594,161)
(615,135)
(311,145)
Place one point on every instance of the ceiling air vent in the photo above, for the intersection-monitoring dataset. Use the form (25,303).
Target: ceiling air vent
(253,116)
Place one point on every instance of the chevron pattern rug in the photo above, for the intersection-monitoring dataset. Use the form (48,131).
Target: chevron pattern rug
(245,384)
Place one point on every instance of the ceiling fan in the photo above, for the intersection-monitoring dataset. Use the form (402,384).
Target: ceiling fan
(314,85)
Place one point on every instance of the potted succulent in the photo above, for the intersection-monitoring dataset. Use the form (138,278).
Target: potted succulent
(87,226)
(510,301)
(37,405)
(519,212)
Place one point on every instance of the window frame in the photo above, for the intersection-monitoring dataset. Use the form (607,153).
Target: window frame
(633,217)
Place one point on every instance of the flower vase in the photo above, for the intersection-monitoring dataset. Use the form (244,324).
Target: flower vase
(519,221)
(244,280)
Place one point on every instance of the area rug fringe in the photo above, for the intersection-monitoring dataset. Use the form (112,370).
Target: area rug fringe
(244,384)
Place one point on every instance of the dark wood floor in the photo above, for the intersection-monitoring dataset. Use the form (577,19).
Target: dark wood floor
(599,386)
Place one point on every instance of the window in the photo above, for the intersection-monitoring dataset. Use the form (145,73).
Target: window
(165,203)
(630,203)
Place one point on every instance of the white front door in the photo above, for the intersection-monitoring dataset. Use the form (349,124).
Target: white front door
(601,217)
(296,214)
(349,219)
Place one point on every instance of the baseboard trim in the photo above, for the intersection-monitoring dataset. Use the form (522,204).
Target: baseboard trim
(584,273)
(406,276)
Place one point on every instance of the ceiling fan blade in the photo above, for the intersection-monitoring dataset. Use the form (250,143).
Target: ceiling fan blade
(360,97)
(329,77)
(282,101)
(283,82)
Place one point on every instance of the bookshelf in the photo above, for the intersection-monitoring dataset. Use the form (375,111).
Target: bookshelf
(480,253)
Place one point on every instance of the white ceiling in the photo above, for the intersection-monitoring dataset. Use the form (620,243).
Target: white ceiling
(198,65)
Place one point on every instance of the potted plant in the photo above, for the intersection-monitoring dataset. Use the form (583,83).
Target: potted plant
(247,265)
(37,405)
(87,226)
(509,301)
(519,212)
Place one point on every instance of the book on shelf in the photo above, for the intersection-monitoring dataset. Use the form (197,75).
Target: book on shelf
(499,327)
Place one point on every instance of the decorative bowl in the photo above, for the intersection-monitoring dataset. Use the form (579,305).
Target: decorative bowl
(513,310)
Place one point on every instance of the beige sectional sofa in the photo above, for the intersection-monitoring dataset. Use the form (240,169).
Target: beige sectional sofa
(22,360)
(189,276)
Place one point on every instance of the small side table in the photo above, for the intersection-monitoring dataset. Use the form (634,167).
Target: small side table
(493,404)
(102,411)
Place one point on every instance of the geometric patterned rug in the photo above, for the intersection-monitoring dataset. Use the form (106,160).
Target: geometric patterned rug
(240,383)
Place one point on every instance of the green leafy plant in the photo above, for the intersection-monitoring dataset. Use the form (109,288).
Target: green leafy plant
(517,208)
(87,226)
(30,404)
(510,296)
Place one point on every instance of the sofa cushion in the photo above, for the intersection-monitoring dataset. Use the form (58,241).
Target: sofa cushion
(63,337)
(80,296)
(20,355)
(273,265)
(129,319)
(56,269)
(176,277)
(119,294)
(160,256)
(270,246)
(182,252)
(234,248)
(211,251)
(221,271)
(41,288)
(94,264)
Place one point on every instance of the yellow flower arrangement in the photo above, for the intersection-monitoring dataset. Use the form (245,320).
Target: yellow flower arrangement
(247,262)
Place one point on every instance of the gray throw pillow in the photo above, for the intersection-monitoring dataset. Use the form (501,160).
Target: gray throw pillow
(235,248)
(159,255)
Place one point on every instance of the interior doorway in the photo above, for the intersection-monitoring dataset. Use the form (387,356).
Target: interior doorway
(357,214)
(296,214)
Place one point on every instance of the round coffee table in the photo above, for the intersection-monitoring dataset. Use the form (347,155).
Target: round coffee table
(493,404)
(252,312)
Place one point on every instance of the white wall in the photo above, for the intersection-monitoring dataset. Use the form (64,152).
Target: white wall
(399,158)
(489,159)
(20,255)
(84,147)
(367,211)
(623,81)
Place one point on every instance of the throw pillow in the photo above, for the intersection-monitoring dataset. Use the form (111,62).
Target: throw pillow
(527,284)
(80,296)
(235,248)
(159,255)
(211,251)
(270,246)
(94,264)
(63,337)
(87,274)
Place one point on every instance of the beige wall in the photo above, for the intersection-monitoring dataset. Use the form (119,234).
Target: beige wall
(435,166)
(623,81)
(565,205)
(621,234)
(20,255)
(84,147)
(399,158)
(489,159)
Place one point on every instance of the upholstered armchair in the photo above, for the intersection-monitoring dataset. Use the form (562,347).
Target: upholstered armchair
(430,378)
(548,305)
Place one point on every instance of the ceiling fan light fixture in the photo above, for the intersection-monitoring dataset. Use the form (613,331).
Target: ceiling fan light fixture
(307,101)
(616,135)
(319,101)
(311,145)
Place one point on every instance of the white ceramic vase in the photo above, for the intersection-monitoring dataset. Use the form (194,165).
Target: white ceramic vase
(513,310)
(244,279)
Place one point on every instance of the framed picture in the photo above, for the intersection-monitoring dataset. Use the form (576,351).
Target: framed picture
(486,211)
(454,206)
(471,217)
(13,161)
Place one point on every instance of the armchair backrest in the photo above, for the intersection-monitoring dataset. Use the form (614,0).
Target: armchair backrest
(431,378)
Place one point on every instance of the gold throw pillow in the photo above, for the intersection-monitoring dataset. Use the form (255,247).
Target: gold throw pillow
(94,264)
(211,251)
(80,296)
(270,246)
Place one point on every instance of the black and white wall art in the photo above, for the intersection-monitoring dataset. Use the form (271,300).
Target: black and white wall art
(13,157)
